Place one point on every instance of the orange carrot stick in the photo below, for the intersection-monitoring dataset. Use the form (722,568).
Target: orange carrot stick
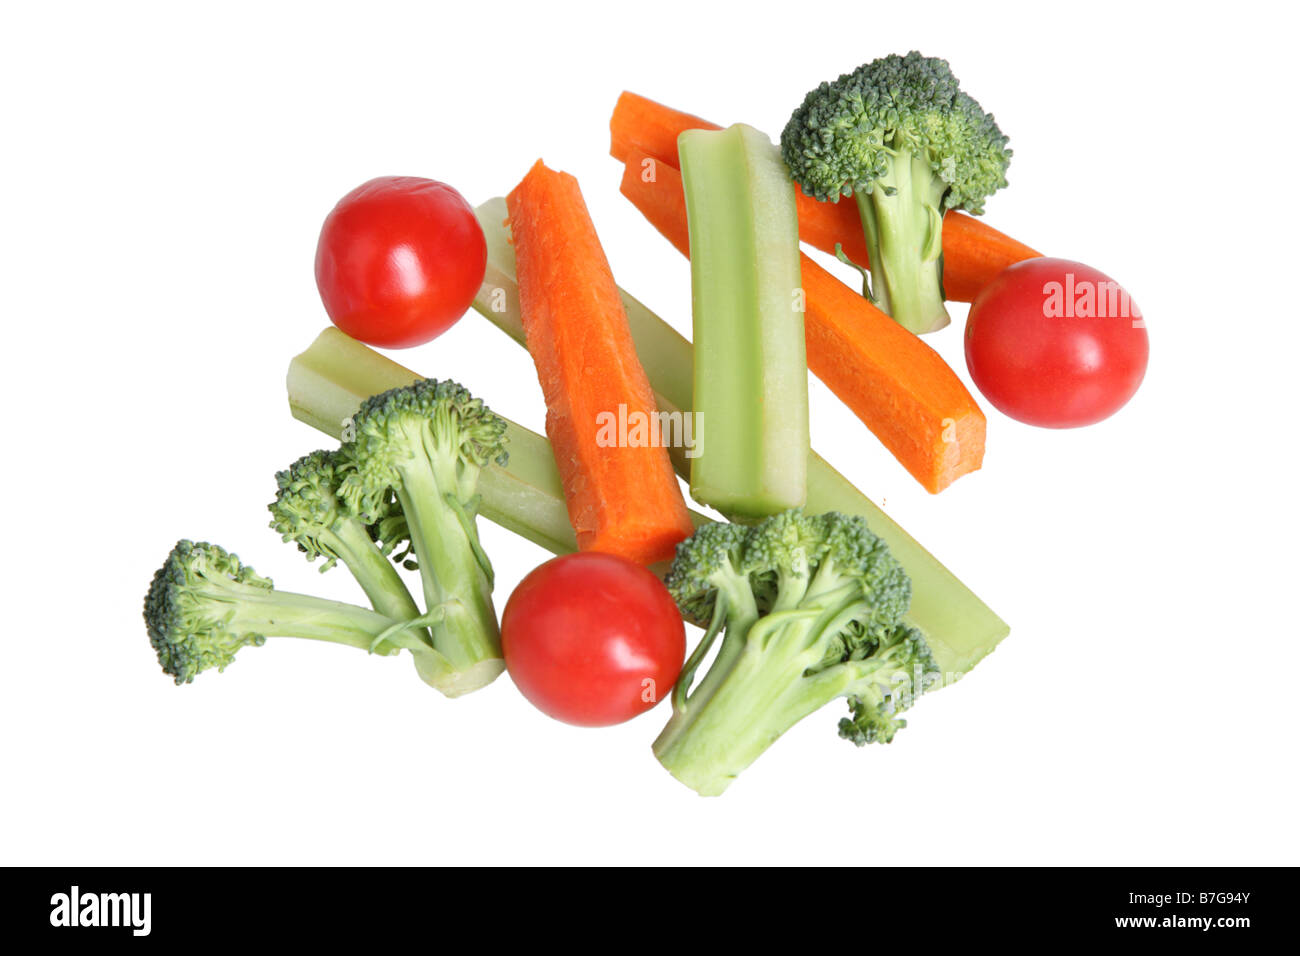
(621,500)
(643,126)
(973,253)
(900,388)
(655,188)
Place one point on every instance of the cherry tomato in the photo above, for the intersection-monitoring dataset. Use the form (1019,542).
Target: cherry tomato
(1056,343)
(592,639)
(399,260)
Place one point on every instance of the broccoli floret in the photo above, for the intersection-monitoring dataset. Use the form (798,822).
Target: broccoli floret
(900,137)
(308,511)
(906,660)
(205,605)
(812,608)
(426,444)
(711,572)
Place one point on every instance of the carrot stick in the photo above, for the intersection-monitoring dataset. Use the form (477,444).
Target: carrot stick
(621,494)
(900,388)
(643,126)
(823,224)
(655,188)
(973,253)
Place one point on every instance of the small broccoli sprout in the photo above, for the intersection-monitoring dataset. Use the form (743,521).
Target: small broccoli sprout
(308,511)
(904,669)
(205,605)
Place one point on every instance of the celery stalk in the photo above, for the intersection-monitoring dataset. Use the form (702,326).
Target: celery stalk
(327,384)
(751,374)
(960,628)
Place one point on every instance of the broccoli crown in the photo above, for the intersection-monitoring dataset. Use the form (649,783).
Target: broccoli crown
(813,608)
(439,420)
(190,605)
(791,557)
(306,505)
(307,508)
(711,559)
(844,135)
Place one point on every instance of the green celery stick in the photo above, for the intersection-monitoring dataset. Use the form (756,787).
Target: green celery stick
(327,384)
(751,374)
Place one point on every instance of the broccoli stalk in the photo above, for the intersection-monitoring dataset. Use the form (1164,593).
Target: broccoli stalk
(751,376)
(900,136)
(427,443)
(308,512)
(204,605)
(811,608)
(900,215)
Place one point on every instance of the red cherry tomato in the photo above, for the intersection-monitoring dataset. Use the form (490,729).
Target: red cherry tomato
(1056,343)
(592,639)
(399,260)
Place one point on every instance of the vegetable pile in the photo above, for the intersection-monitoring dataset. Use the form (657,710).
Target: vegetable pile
(806,591)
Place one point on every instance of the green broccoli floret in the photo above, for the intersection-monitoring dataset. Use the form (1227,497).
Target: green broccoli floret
(204,605)
(427,443)
(811,609)
(875,707)
(900,137)
(308,511)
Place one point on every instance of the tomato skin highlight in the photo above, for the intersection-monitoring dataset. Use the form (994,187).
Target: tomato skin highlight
(1050,343)
(592,639)
(399,260)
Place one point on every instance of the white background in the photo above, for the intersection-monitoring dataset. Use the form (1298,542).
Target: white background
(165,172)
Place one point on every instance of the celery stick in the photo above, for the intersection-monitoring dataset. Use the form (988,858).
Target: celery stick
(960,628)
(751,375)
(328,382)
